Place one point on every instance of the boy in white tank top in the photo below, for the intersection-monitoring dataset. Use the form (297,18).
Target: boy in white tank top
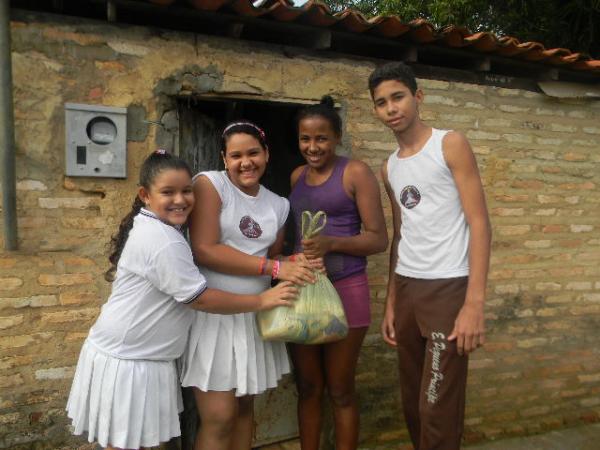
(438,262)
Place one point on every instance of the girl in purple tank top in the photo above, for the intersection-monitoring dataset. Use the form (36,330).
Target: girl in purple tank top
(343,218)
(348,192)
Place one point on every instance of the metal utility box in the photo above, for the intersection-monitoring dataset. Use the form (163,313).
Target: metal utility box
(96,141)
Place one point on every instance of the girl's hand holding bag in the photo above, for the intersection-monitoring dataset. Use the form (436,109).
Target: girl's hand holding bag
(317,316)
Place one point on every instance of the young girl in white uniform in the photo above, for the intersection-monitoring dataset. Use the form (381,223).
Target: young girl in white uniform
(236,237)
(125,391)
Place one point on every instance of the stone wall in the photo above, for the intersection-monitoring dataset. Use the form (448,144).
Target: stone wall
(539,159)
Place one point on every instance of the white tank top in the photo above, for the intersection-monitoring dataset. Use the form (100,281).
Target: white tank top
(248,224)
(434,233)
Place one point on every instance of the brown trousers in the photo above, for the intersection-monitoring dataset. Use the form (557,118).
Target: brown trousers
(433,377)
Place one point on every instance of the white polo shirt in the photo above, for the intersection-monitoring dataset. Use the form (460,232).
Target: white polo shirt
(145,316)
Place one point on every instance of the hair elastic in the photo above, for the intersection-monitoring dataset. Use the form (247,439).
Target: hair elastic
(250,124)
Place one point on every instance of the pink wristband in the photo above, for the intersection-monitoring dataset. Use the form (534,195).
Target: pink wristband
(262,265)
(275,271)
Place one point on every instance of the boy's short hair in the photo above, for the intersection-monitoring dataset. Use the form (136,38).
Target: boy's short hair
(397,71)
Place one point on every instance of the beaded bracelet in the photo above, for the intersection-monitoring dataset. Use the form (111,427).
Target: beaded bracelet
(275,271)
(262,265)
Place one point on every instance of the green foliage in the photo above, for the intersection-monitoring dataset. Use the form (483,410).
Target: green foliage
(572,24)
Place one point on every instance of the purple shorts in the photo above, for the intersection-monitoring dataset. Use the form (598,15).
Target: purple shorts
(356,298)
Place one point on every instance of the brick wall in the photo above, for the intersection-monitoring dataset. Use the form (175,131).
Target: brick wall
(539,159)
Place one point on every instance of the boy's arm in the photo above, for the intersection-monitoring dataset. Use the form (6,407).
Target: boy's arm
(469,327)
(387,325)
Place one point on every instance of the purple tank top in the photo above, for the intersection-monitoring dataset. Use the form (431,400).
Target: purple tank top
(343,218)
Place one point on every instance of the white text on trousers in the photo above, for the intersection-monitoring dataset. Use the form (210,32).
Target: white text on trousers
(436,374)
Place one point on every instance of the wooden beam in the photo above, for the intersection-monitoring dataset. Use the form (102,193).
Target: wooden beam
(111,11)
(234,30)
(410,54)
(374,46)
(481,64)
(321,39)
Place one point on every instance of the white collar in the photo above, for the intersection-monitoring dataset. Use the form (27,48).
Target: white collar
(148,213)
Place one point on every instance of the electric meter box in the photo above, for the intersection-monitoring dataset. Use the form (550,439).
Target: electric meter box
(96,141)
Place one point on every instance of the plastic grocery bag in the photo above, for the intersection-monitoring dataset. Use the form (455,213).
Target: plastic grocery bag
(317,316)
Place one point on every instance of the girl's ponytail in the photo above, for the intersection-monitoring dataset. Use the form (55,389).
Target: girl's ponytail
(117,242)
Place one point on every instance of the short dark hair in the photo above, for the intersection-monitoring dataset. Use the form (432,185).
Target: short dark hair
(324,109)
(397,71)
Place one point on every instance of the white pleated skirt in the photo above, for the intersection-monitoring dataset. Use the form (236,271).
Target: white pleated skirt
(226,352)
(124,403)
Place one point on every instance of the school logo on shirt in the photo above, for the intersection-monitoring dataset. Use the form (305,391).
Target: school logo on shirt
(250,227)
(410,197)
